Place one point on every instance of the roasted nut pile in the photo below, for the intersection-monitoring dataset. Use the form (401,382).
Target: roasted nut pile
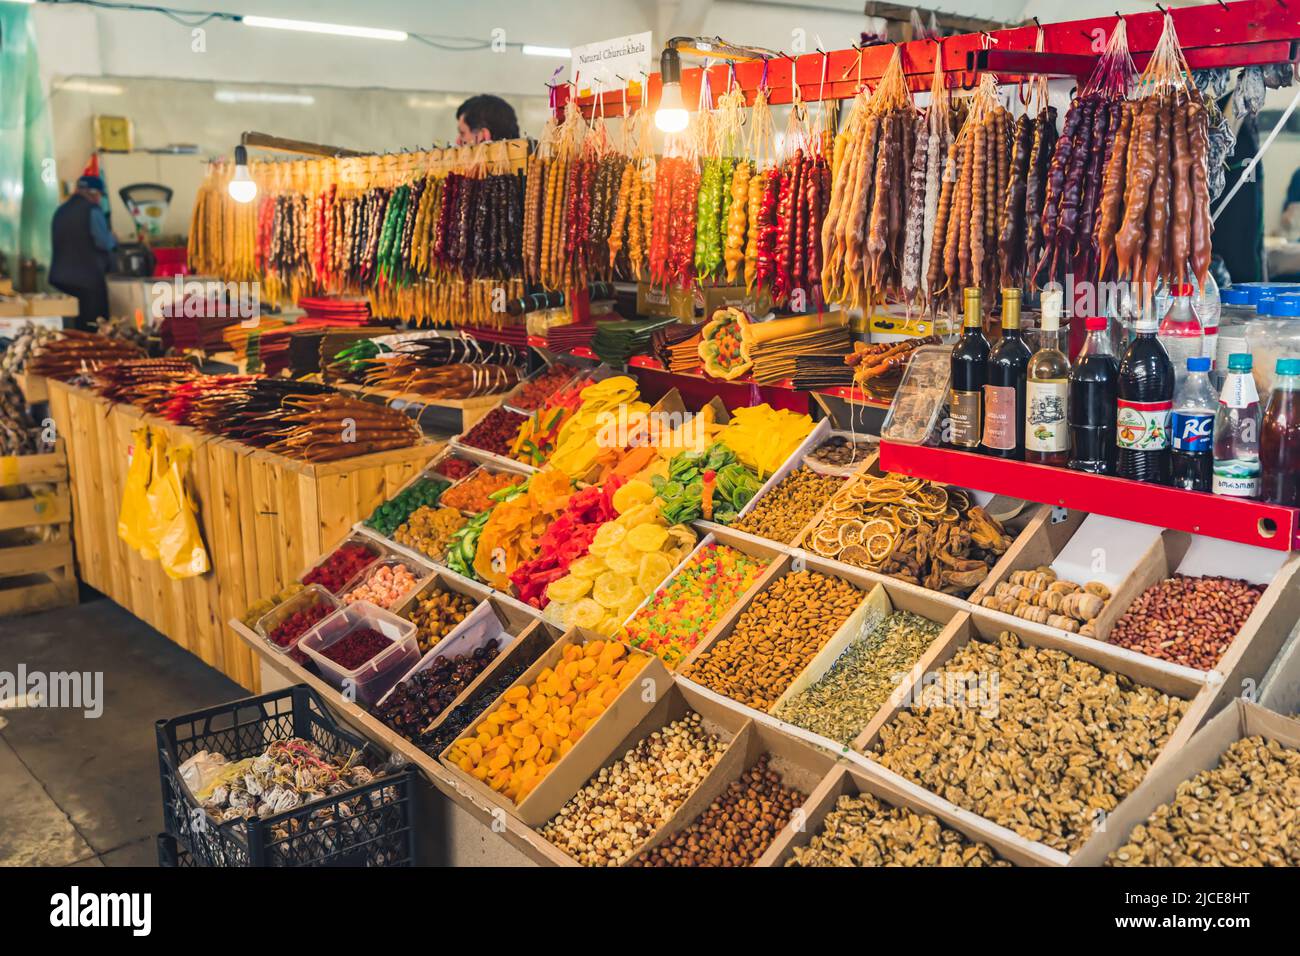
(736,828)
(1040,596)
(436,612)
(1190,621)
(428,530)
(841,703)
(1048,742)
(1241,813)
(840,451)
(775,637)
(862,831)
(910,529)
(782,513)
(607,820)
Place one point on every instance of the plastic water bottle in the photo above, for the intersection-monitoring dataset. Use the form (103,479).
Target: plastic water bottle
(1181,332)
(1207,303)
(1192,432)
(1236,433)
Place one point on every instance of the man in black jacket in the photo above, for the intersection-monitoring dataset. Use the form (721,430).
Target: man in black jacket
(83,247)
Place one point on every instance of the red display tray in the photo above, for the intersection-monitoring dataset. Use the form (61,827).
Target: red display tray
(1232,519)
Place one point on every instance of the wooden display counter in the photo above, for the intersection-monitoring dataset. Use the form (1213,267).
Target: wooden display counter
(263,517)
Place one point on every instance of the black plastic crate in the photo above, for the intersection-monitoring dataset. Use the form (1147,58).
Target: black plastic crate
(369,825)
(171,854)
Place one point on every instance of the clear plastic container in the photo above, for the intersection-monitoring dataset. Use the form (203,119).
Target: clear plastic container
(309,596)
(423,575)
(374,678)
(476,630)
(921,398)
(1269,340)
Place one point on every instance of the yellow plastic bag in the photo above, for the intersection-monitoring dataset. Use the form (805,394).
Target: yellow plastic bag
(132,525)
(180,545)
(159,499)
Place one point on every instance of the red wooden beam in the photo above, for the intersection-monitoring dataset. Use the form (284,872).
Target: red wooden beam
(1232,519)
(1076,64)
(1225,29)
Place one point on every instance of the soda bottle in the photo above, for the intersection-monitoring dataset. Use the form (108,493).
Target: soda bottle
(1279,439)
(1181,332)
(1004,393)
(1195,404)
(1236,433)
(1094,383)
(1145,406)
(969,363)
(1047,435)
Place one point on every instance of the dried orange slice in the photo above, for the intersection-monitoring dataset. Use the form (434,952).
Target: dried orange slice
(850,533)
(878,547)
(855,554)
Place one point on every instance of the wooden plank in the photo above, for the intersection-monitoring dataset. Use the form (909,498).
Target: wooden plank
(36,558)
(31,598)
(41,508)
(51,467)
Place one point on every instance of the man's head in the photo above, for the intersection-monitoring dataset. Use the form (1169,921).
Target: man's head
(485,117)
(92,187)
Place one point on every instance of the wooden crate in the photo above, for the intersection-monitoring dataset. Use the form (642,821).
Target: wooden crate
(36,560)
(263,518)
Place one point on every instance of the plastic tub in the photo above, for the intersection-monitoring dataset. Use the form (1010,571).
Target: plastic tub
(374,678)
(309,596)
(422,575)
(921,397)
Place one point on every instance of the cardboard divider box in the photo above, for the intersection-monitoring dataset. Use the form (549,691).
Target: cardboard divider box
(800,767)
(1116,548)
(978,625)
(571,771)
(882,594)
(1203,752)
(755,548)
(677,702)
(847,780)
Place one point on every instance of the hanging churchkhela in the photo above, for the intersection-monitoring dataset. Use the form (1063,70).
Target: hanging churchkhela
(972,209)
(1075,227)
(1156,205)
(429,237)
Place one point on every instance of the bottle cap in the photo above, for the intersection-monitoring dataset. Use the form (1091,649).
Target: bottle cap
(1199,363)
(1096,323)
(1235,296)
(1264,304)
(1288,366)
(1239,362)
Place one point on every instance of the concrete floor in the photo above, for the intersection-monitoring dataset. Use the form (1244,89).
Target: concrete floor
(84,792)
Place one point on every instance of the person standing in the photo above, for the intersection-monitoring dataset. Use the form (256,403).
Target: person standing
(485,118)
(82,251)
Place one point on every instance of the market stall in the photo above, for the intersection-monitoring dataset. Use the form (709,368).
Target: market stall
(660,552)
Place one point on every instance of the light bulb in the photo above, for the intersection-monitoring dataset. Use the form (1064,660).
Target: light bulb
(241,187)
(671,116)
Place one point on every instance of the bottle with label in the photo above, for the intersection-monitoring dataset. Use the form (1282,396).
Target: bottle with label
(1181,332)
(1047,390)
(1004,393)
(1236,433)
(1145,406)
(1094,381)
(1195,405)
(1279,439)
(970,358)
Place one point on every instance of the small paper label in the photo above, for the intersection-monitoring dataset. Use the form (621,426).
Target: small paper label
(1000,417)
(964,411)
(1045,419)
(1143,426)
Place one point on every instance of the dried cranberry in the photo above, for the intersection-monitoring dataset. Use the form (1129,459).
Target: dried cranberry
(496,432)
(298,623)
(357,647)
(340,567)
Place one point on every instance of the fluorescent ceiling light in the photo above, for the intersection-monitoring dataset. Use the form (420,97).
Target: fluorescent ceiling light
(88,86)
(560,51)
(427,103)
(335,29)
(261,96)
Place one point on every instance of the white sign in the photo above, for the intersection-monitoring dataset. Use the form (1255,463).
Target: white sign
(598,66)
